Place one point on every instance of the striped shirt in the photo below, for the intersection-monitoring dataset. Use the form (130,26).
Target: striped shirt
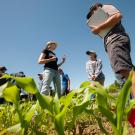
(94,68)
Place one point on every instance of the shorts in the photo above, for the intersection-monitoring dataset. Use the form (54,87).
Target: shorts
(100,77)
(118,49)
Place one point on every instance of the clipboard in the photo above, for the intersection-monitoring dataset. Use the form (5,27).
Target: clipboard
(99,17)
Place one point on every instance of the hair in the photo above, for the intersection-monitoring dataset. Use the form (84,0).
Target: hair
(95,55)
(49,43)
(92,8)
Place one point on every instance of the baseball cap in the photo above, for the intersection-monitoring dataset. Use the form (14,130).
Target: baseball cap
(91,51)
(39,74)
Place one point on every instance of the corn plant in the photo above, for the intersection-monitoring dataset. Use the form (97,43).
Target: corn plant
(76,102)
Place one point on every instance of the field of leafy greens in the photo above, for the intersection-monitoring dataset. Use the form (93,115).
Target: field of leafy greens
(71,115)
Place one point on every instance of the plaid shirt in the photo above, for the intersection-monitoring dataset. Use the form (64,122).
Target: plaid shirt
(94,68)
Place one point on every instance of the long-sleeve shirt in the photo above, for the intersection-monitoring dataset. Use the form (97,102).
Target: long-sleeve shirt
(93,68)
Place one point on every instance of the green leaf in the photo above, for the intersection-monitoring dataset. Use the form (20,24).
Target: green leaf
(108,114)
(130,106)
(66,100)
(79,90)
(92,112)
(2,87)
(121,102)
(85,84)
(102,101)
(13,129)
(11,93)
(59,121)
(125,128)
(87,96)
(26,83)
(56,106)
(78,109)
(45,102)
(28,116)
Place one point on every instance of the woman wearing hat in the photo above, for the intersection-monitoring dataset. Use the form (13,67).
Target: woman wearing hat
(94,68)
(49,59)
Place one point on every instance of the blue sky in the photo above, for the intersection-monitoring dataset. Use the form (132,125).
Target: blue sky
(26,25)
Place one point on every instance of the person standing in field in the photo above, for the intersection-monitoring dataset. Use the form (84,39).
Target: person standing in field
(40,83)
(49,59)
(65,82)
(94,68)
(116,42)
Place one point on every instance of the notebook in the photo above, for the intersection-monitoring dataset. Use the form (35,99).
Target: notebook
(96,19)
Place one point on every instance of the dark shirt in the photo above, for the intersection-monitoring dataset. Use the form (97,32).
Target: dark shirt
(51,64)
(118,28)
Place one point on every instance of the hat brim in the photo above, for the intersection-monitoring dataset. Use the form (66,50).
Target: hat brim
(51,43)
(40,74)
(89,52)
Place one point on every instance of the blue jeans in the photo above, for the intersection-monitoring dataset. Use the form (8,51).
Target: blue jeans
(50,75)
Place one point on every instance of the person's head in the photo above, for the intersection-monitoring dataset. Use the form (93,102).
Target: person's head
(92,9)
(60,71)
(3,69)
(40,75)
(51,45)
(92,55)
(18,74)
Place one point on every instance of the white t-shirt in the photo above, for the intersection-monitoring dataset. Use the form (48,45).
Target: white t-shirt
(110,9)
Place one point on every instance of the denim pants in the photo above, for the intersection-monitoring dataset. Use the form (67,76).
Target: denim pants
(50,75)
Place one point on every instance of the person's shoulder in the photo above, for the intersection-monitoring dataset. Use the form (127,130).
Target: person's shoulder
(108,6)
(88,62)
(110,9)
(66,74)
(45,51)
(99,60)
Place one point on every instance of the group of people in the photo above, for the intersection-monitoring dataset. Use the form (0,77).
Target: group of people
(117,46)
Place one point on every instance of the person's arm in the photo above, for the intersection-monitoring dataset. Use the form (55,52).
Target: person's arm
(68,85)
(89,70)
(1,74)
(68,82)
(110,22)
(63,60)
(42,59)
(98,68)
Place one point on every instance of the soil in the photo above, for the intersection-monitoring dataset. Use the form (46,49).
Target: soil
(94,129)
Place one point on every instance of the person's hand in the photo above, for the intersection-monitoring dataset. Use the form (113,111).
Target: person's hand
(1,74)
(93,77)
(63,58)
(96,30)
(53,59)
